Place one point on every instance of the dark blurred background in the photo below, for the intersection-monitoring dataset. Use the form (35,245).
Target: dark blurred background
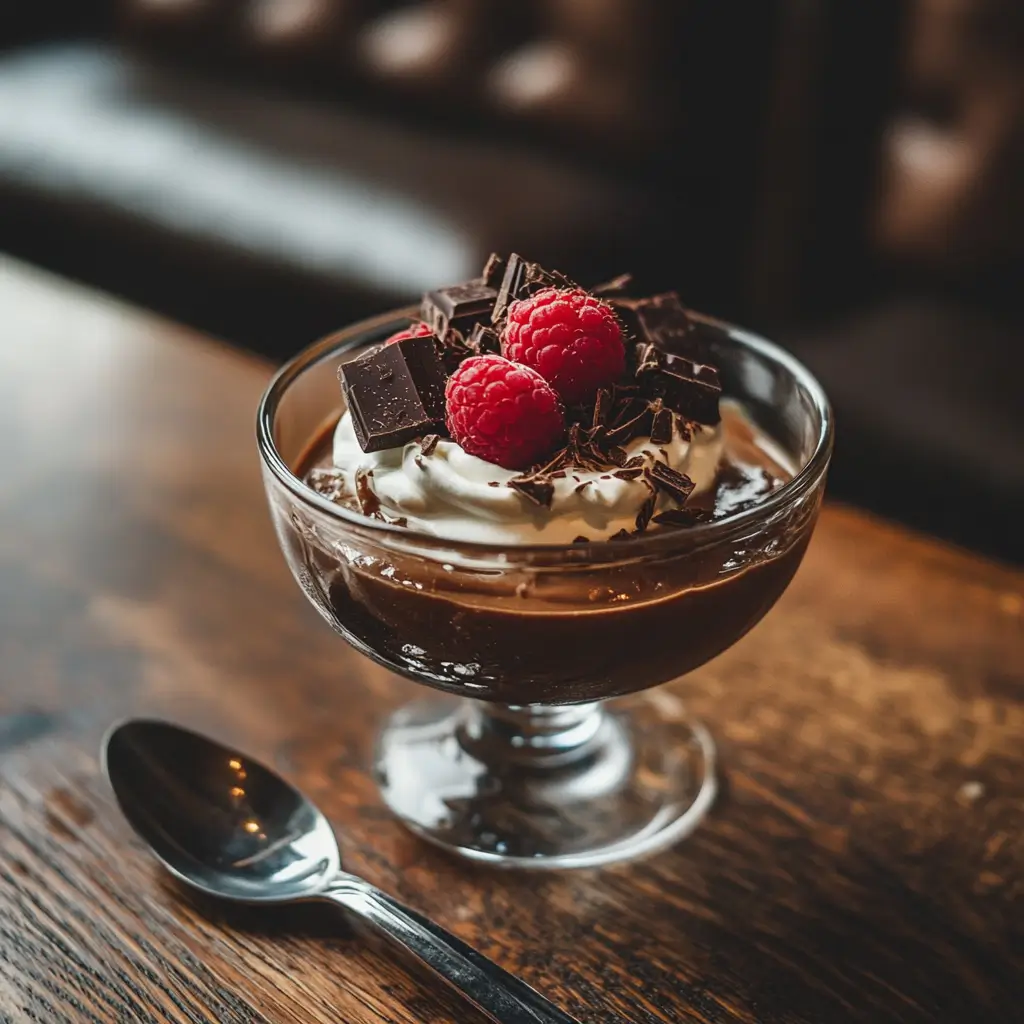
(846,176)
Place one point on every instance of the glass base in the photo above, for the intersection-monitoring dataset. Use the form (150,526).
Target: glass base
(547,787)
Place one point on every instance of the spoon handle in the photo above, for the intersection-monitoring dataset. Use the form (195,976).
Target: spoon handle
(502,997)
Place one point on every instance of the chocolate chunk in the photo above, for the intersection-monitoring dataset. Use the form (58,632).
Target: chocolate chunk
(511,288)
(369,504)
(522,278)
(395,393)
(328,482)
(661,429)
(617,456)
(676,485)
(537,489)
(484,341)
(664,323)
(683,386)
(636,462)
(429,443)
(643,517)
(460,307)
(494,270)
(628,474)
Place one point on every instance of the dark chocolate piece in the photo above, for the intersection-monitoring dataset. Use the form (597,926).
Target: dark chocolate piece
(661,428)
(664,323)
(623,534)
(628,474)
(511,288)
(602,406)
(617,456)
(484,341)
(634,463)
(684,387)
(429,443)
(643,517)
(675,484)
(522,278)
(460,307)
(581,540)
(494,270)
(537,489)
(369,504)
(395,393)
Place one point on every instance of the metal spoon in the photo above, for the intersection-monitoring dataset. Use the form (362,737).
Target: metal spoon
(232,828)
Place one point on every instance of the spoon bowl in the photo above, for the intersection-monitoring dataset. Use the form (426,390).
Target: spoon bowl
(216,819)
(232,828)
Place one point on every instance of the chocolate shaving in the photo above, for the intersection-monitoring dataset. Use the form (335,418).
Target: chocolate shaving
(628,474)
(615,286)
(484,341)
(661,429)
(327,482)
(676,485)
(635,462)
(493,483)
(632,428)
(537,489)
(369,504)
(429,443)
(602,406)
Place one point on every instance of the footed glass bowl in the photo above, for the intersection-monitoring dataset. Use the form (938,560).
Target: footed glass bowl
(525,765)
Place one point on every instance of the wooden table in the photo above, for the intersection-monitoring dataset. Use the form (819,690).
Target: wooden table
(865,863)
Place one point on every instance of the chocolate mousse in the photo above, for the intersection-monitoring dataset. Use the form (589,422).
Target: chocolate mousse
(652,451)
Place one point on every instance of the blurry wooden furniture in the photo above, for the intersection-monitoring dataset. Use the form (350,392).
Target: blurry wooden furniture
(865,862)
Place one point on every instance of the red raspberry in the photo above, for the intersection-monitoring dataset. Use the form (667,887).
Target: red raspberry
(418,329)
(503,413)
(570,338)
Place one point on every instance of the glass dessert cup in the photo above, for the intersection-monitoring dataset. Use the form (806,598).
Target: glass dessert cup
(525,765)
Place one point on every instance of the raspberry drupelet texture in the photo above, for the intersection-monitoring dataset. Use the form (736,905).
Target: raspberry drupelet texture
(503,413)
(572,339)
(415,330)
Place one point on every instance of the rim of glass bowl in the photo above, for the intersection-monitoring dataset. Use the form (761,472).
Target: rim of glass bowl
(598,552)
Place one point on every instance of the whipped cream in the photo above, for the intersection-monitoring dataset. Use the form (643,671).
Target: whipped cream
(452,494)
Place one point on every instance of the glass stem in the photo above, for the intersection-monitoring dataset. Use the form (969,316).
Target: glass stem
(540,735)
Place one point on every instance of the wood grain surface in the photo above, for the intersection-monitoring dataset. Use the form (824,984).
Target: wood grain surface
(865,862)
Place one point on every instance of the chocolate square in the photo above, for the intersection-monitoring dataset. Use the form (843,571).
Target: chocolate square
(692,390)
(460,307)
(663,322)
(395,393)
